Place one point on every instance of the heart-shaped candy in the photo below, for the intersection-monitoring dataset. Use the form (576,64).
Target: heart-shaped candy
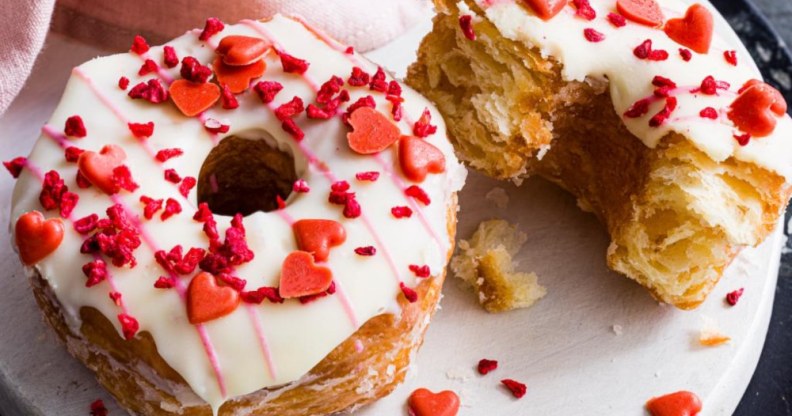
(757,108)
(301,277)
(693,31)
(206,301)
(681,403)
(98,167)
(242,50)
(417,158)
(192,98)
(645,12)
(318,236)
(238,78)
(37,237)
(372,132)
(546,9)
(423,402)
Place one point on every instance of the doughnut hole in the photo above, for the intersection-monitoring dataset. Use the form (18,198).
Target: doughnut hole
(245,175)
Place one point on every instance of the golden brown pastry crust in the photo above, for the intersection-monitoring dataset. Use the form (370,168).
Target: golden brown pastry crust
(349,377)
(676,218)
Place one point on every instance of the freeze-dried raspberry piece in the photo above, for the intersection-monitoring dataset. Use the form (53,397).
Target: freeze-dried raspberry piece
(151,91)
(165,282)
(584,10)
(123,83)
(301,186)
(259,295)
(486,366)
(72,154)
(75,127)
(420,271)
(289,126)
(172,207)
(418,193)
(423,127)
(664,114)
(638,109)
(466,25)
(371,176)
(410,294)
(122,179)
(212,27)
(290,109)
(378,82)
(87,224)
(139,45)
(292,64)
(359,77)
(148,67)
(516,388)
(228,98)
(401,212)
(170,59)
(593,36)
(129,326)
(141,130)
(686,54)
(731,57)
(188,183)
(193,71)
(95,271)
(709,113)
(166,154)
(617,20)
(151,206)
(366,251)
(15,166)
(267,90)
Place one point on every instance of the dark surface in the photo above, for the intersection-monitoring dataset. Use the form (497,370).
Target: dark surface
(771,386)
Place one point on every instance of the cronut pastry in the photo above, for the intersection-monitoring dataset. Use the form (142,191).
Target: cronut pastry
(676,217)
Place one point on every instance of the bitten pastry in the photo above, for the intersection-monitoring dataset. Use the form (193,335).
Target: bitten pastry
(249,220)
(649,115)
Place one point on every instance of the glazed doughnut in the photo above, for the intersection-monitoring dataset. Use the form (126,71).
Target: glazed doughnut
(251,219)
(651,116)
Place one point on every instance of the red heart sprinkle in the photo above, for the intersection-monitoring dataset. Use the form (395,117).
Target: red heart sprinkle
(681,403)
(418,157)
(206,301)
(546,9)
(301,277)
(98,167)
(318,236)
(694,30)
(423,402)
(372,132)
(238,77)
(755,110)
(242,50)
(36,237)
(192,98)
(645,12)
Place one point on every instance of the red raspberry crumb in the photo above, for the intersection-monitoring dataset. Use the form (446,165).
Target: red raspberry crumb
(315,113)
(466,24)
(418,193)
(617,20)
(151,206)
(517,389)
(115,297)
(87,224)
(330,88)
(731,57)
(15,165)
(129,326)
(423,127)
(122,179)
(593,36)
(289,126)
(139,45)
(742,139)
(401,212)
(193,71)
(280,202)
(686,54)
(82,181)
(394,89)
(166,154)
(367,101)
(212,27)
(290,109)
(710,86)
(148,67)
(68,202)
(172,207)
(410,294)
(659,81)
(172,176)
(259,295)
(378,82)
(370,176)
(292,64)
(301,186)
(95,271)
(352,208)
(72,154)
(486,366)
(123,83)
(733,297)
(151,91)
(710,113)
(349,50)
(165,282)
(75,127)
(229,99)
(170,58)
(584,10)
(366,251)
(187,185)
(359,77)
(420,271)
(638,109)
(52,190)
(267,90)
(658,119)
(645,51)
(203,214)
(232,281)
(98,408)
(142,130)
(216,127)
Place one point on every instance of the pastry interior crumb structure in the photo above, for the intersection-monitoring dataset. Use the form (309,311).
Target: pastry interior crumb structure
(332,350)
(676,216)
(485,263)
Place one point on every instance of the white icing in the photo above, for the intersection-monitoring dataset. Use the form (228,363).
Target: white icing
(630,78)
(296,337)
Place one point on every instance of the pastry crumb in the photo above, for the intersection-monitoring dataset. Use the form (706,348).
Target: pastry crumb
(499,197)
(617,329)
(711,335)
(485,263)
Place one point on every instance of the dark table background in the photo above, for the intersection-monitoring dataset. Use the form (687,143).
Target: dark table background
(770,390)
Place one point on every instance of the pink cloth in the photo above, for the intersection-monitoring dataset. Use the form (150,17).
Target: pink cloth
(365,24)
